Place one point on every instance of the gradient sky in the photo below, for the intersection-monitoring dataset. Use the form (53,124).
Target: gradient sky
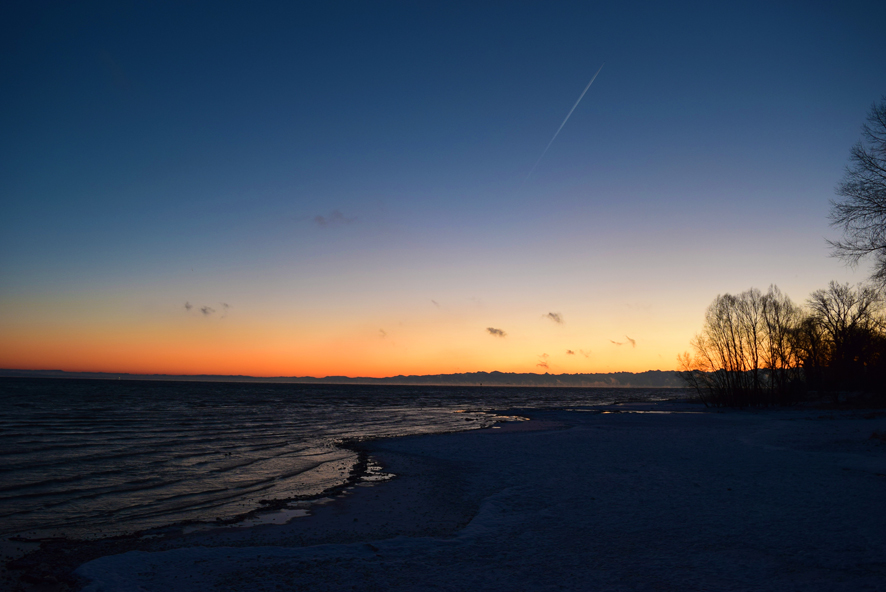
(343,185)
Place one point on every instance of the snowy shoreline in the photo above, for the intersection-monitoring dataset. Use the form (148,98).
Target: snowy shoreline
(767,500)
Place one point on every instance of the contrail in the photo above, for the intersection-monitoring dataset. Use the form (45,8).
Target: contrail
(564,122)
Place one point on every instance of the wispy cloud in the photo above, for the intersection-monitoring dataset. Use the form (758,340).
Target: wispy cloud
(633,342)
(336,218)
(208,310)
(435,303)
(586,354)
(382,333)
(555,316)
(569,352)
(496,332)
(543,361)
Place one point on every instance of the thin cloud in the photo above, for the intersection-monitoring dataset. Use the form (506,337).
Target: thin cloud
(586,354)
(543,361)
(569,352)
(225,307)
(496,332)
(382,333)
(188,306)
(435,303)
(336,218)
(555,316)
(633,342)
(206,310)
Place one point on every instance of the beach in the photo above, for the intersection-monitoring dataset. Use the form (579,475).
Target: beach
(660,496)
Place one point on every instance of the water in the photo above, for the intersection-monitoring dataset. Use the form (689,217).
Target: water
(88,458)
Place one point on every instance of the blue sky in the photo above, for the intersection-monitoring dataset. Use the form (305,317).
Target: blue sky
(335,167)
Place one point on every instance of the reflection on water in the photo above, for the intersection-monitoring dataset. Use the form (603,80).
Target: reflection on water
(87,458)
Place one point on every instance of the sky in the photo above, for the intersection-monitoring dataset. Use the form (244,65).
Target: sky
(344,188)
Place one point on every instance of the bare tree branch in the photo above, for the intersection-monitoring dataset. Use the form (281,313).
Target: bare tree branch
(862,213)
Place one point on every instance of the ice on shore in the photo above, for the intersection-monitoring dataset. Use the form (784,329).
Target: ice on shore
(774,500)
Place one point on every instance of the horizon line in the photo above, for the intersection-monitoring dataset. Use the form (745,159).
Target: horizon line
(36,373)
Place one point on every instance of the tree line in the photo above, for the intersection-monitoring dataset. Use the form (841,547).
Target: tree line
(762,349)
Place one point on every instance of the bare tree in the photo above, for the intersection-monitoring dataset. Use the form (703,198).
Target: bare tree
(781,322)
(811,350)
(851,322)
(744,355)
(762,349)
(862,214)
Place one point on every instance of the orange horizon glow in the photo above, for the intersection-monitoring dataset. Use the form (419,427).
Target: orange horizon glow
(265,358)
(101,332)
(126,363)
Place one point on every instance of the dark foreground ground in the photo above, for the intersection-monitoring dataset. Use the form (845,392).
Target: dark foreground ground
(772,500)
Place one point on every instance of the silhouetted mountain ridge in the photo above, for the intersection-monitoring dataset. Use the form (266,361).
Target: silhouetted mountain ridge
(648,379)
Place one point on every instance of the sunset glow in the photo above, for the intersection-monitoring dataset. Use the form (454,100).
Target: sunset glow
(307,191)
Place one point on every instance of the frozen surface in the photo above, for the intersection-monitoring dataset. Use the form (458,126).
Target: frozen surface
(775,500)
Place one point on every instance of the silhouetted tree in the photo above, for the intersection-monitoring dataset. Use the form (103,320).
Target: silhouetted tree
(745,352)
(851,324)
(810,349)
(781,357)
(862,214)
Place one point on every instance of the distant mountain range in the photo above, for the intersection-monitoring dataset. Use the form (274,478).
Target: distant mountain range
(648,379)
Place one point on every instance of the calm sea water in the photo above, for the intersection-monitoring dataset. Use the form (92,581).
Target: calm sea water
(85,458)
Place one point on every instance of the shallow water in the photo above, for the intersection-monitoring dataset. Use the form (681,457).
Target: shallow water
(86,458)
